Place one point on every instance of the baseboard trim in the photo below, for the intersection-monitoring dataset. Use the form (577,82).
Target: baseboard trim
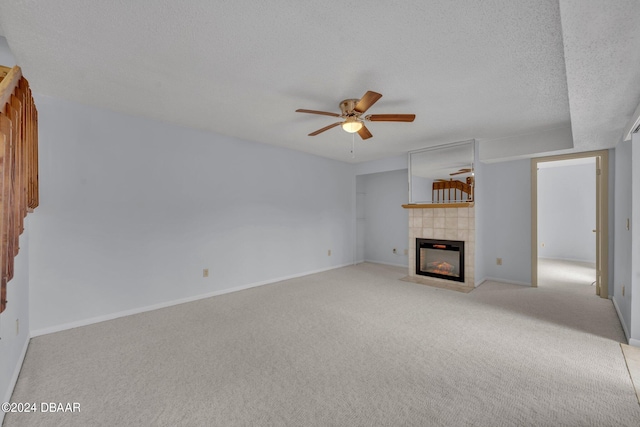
(634,342)
(621,319)
(479,282)
(511,282)
(386,263)
(111,316)
(14,377)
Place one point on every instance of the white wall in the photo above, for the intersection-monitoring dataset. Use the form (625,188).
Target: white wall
(547,142)
(360,218)
(635,242)
(132,210)
(611,214)
(6,57)
(505,212)
(13,345)
(386,222)
(14,338)
(382,165)
(567,212)
(421,189)
(622,248)
(480,203)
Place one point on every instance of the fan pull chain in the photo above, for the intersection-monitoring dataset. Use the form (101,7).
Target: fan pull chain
(353,145)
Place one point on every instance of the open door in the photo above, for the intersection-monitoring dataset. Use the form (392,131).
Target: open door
(602,218)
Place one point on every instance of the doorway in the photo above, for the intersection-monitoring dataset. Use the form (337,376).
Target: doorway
(579,244)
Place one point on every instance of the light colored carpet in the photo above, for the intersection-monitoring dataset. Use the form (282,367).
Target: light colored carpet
(348,347)
(450,285)
(632,357)
(574,275)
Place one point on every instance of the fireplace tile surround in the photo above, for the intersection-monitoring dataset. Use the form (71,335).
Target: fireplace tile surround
(450,223)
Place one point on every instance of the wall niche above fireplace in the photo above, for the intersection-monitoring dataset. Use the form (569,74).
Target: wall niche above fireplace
(442,174)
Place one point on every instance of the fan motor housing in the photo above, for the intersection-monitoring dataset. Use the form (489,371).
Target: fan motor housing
(348,108)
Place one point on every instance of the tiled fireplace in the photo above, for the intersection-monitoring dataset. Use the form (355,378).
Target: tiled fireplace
(456,224)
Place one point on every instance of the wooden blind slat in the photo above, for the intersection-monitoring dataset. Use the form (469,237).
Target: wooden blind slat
(18,167)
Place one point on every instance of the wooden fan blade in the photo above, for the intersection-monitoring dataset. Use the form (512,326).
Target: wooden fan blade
(367,101)
(324,113)
(460,172)
(325,128)
(390,117)
(364,132)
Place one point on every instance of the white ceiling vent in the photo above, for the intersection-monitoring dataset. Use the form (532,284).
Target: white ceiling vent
(633,126)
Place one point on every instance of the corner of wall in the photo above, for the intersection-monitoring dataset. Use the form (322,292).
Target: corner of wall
(625,328)
(635,240)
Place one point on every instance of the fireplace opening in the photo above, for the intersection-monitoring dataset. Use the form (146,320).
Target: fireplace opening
(440,258)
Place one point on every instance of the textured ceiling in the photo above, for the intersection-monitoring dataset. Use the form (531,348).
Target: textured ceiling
(602,52)
(467,69)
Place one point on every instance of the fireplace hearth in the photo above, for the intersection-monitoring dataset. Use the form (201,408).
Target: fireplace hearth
(443,259)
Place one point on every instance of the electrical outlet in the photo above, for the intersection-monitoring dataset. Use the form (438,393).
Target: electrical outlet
(395,251)
(628,224)
(205,272)
(329,252)
(542,244)
(406,251)
(622,290)
(17,326)
(498,261)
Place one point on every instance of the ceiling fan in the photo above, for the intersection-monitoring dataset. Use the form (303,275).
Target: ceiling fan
(352,111)
(461,171)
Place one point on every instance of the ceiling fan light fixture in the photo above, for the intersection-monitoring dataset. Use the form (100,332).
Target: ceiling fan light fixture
(352,110)
(352,125)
